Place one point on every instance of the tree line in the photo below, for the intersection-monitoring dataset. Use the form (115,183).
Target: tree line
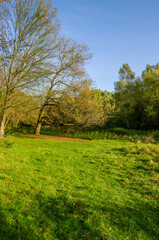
(137,98)
(43,78)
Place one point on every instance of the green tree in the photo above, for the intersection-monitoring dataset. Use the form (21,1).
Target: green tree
(28,30)
(123,99)
(137,100)
(85,107)
(151,92)
(126,76)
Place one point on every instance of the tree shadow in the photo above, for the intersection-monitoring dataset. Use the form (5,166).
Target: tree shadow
(75,219)
(68,218)
(11,232)
(140,217)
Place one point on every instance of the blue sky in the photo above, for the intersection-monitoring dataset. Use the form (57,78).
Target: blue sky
(117,32)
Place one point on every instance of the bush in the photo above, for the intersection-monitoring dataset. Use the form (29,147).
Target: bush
(6,142)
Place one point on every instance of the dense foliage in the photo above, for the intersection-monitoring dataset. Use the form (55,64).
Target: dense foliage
(137,99)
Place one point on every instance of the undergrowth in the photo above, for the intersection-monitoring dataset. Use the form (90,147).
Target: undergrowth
(90,133)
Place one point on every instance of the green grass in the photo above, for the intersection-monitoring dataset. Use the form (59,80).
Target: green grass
(100,189)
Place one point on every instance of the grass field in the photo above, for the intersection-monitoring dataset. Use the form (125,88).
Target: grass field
(99,189)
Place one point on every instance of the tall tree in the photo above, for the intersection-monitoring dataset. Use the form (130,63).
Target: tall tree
(126,76)
(122,94)
(67,72)
(28,30)
(151,93)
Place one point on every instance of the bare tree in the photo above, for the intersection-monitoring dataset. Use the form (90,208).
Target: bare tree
(28,31)
(67,72)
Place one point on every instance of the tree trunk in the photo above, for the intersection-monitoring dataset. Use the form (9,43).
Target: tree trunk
(6,121)
(18,120)
(2,126)
(127,124)
(39,122)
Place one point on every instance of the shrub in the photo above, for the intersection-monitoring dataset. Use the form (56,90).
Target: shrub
(6,142)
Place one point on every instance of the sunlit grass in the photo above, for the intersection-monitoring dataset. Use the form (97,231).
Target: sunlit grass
(100,189)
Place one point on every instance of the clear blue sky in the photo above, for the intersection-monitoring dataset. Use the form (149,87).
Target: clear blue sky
(117,32)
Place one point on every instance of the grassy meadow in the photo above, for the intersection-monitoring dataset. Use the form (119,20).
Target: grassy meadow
(99,189)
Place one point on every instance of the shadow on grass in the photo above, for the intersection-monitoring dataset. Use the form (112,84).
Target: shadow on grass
(139,218)
(11,232)
(68,218)
(74,219)
(53,218)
